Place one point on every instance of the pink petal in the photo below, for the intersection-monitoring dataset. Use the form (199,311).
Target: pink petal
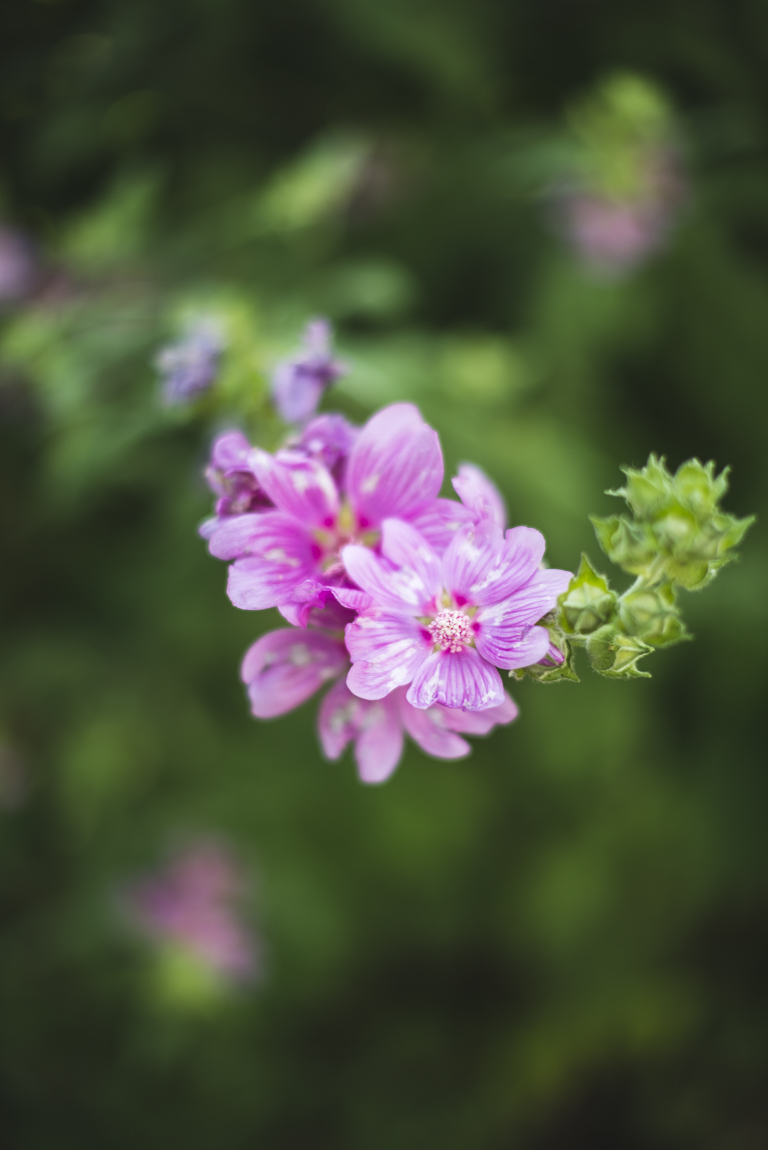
(232,538)
(479,495)
(500,627)
(283,668)
(480,722)
(439,520)
(480,567)
(298,486)
(386,651)
(429,729)
(418,562)
(395,466)
(230,451)
(508,644)
(379,745)
(337,719)
(353,599)
(392,588)
(462,680)
(284,556)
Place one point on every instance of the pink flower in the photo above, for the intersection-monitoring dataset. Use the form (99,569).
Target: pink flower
(378,728)
(444,624)
(394,469)
(192,903)
(299,382)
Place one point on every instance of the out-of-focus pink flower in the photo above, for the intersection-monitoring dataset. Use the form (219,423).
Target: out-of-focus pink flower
(193,903)
(444,624)
(299,382)
(18,266)
(613,235)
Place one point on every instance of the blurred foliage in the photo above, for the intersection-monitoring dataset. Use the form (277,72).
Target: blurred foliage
(560,942)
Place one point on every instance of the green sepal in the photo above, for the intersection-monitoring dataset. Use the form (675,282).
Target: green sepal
(615,654)
(588,602)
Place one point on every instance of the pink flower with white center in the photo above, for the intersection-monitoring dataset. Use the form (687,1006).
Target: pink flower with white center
(378,729)
(445,624)
(192,903)
(394,469)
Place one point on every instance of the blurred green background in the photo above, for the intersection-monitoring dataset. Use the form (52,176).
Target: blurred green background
(559,942)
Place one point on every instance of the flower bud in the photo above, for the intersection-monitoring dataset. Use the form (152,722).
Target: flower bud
(588,603)
(615,654)
(652,614)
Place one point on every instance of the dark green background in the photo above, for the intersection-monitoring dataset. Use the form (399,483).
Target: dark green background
(559,942)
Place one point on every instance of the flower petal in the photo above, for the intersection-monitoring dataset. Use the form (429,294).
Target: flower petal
(386,651)
(509,644)
(417,562)
(337,719)
(409,589)
(429,729)
(283,668)
(283,556)
(395,466)
(233,538)
(230,452)
(462,680)
(501,627)
(298,486)
(481,567)
(353,599)
(379,745)
(480,722)
(439,520)
(479,495)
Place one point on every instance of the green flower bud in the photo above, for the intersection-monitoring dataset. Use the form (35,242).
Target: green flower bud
(588,603)
(652,615)
(615,654)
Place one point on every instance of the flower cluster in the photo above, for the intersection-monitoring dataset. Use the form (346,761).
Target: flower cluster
(191,905)
(409,603)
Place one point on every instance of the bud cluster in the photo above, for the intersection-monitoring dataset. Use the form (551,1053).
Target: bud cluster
(676,536)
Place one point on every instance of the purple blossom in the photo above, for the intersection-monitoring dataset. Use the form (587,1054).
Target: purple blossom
(189,366)
(445,624)
(298,383)
(18,266)
(395,468)
(193,904)
(377,729)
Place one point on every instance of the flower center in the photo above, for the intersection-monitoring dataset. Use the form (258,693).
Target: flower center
(451,631)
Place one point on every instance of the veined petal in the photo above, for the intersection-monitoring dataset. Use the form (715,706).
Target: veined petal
(379,746)
(480,722)
(416,560)
(234,537)
(297,485)
(283,557)
(353,599)
(463,680)
(480,567)
(386,651)
(499,627)
(439,520)
(479,495)
(393,588)
(508,643)
(395,466)
(283,668)
(429,729)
